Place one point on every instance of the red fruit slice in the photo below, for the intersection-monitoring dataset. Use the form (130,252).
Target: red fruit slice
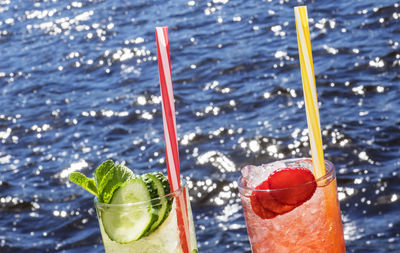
(267,200)
(297,185)
(287,189)
(260,210)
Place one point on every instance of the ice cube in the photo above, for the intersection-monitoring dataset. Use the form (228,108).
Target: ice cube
(255,175)
(278,165)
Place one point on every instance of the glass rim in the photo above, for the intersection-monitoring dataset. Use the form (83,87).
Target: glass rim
(328,166)
(169,195)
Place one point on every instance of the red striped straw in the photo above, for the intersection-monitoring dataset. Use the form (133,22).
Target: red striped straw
(171,143)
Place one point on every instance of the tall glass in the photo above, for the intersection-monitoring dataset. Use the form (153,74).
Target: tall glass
(164,239)
(314,226)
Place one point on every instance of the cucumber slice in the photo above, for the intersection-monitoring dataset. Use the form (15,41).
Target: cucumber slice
(126,223)
(161,205)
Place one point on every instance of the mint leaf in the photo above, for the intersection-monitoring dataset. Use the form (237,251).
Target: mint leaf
(104,182)
(113,179)
(107,178)
(83,181)
(101,171)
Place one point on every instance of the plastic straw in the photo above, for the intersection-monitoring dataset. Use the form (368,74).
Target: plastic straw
(309,89)
(171,143)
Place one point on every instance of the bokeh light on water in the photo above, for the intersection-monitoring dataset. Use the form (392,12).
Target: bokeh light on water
(79,84)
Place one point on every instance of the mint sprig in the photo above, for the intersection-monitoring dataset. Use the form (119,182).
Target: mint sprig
(107,178)
(83,181)
(113,179)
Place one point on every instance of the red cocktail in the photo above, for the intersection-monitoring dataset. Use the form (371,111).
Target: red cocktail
(288,210)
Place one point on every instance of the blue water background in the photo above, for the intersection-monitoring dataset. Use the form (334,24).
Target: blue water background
(79,84)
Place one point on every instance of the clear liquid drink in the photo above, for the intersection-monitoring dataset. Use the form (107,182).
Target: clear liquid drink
(164,239)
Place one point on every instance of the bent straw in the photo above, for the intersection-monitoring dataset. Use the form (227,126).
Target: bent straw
(309,89)
(171,143)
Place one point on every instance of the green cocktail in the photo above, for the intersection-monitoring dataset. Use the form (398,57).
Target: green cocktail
(137,213)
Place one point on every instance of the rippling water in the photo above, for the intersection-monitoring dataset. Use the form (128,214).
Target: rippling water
(79,84)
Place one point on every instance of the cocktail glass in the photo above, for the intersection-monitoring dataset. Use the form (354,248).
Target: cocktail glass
(165,239)
(313,226)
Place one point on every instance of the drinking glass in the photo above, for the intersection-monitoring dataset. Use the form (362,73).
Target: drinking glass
(313,226)
(164,239)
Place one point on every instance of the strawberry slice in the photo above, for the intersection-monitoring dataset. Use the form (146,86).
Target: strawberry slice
(260,210)
(287,189)
(268,201)
(297,185)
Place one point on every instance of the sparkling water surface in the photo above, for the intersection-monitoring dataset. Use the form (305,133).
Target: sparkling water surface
(79,84)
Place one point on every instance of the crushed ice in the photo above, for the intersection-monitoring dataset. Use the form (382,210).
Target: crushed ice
(255,175)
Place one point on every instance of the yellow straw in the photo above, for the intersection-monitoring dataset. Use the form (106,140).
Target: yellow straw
(309,89)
